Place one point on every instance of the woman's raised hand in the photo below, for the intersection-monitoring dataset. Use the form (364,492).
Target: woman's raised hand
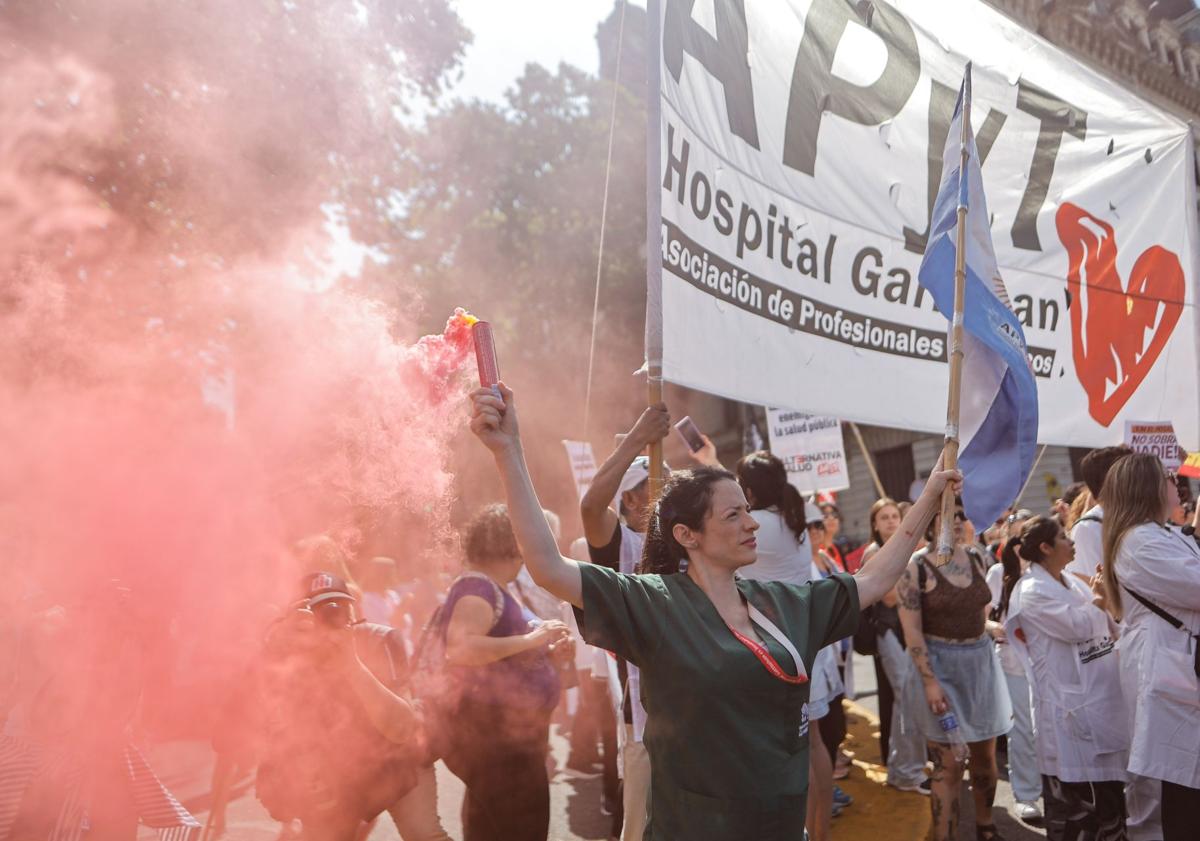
(940,478)
(494,419)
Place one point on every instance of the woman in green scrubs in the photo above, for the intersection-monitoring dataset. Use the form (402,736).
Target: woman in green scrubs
(724,661)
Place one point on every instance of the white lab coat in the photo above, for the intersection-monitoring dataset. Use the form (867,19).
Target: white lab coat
(1086,535)
(1157,661)
(1067,646)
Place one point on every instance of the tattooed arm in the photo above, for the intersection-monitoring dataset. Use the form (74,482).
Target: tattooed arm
(908,592)
(878,577)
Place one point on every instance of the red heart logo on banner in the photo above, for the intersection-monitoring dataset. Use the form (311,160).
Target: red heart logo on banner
(1109,319)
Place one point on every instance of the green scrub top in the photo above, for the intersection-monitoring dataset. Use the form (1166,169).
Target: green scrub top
(728,742)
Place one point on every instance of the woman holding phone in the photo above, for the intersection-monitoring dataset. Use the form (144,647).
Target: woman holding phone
(724,661)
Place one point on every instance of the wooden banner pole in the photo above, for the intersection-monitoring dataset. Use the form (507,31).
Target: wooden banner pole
(867,458)
(1029,478)
(945,544)
(654,396)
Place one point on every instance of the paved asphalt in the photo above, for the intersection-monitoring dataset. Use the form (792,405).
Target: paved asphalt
(575,800)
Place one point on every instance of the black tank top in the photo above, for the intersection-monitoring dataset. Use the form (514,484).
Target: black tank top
(954,612)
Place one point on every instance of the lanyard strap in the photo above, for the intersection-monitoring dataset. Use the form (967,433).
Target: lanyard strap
(764,656)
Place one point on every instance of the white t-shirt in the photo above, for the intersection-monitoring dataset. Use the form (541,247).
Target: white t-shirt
(1089,551)
(380,608)
(781,556)
(1008,658)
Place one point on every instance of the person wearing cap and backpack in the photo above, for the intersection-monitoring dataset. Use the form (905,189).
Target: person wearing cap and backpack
(343,743)
(615,539)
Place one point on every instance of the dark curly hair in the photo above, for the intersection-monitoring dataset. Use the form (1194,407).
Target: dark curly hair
(489,536)
(686,498)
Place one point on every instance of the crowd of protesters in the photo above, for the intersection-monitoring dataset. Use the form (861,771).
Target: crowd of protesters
(698,650)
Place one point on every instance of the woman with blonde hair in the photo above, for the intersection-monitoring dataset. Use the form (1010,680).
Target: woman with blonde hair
(1152,579)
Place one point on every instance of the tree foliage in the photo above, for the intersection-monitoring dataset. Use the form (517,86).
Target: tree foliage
(502,215)
(234,121)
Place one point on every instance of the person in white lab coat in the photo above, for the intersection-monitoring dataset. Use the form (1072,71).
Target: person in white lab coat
(1056,626)
(1152,576)
(1085,533)
(1141,794)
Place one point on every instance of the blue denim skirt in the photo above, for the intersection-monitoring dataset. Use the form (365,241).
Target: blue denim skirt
(974,684)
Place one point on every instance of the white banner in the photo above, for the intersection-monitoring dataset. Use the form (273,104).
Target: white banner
(800,149)
(583,464)
(811,449)
(1158,438)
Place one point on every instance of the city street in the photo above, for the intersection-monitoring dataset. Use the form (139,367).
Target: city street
(877,813)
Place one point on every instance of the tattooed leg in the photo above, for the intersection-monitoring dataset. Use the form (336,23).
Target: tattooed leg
(943,800)
(983,779)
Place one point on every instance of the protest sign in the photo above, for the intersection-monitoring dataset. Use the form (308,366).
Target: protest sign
(1156,438)
(799,149)
(583,464)
(811,449)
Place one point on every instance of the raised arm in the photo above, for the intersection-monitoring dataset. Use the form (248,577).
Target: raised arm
(595,509)
(494,422)
(880,574)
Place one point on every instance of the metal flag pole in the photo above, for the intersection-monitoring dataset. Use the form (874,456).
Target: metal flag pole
(945,544)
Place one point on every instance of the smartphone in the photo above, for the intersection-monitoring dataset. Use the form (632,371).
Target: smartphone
(690,433)
(485,354)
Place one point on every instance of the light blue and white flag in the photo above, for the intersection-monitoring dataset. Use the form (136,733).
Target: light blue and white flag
(998,421)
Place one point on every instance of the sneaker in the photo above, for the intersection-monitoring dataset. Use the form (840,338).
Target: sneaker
(840,797)
(1029,812)
(837,811)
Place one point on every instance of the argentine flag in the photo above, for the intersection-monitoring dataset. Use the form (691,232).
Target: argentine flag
(998,421)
